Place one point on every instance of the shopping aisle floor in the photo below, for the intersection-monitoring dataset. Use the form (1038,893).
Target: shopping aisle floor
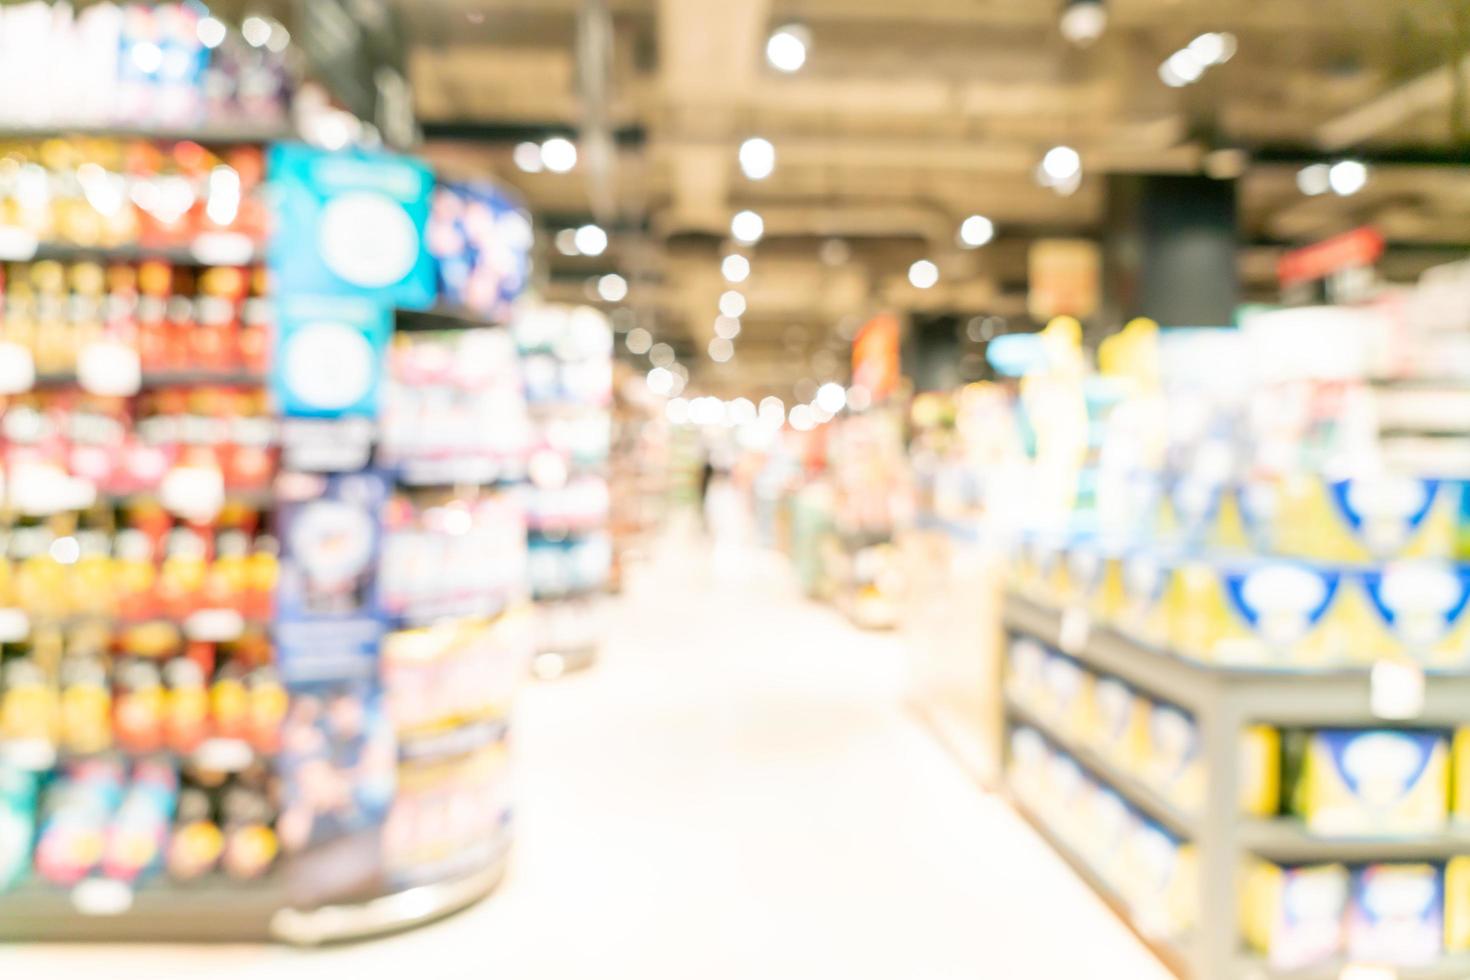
(736,791)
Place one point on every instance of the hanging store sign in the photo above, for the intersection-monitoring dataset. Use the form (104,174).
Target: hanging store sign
(1065,277)
(1357,249)
(875,357)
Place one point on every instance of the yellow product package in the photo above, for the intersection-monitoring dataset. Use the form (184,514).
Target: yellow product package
(1260,770)
(1269,613)
(1025,671)
(1418,609)
(1457,905)
(1143,612)
(1460,775)
(1372,782)
(1066,699)
(1294,916)
(1370,518)
(1173,763)
(1162,886)
(1121,717)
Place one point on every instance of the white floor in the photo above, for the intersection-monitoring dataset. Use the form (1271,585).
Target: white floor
(736,790)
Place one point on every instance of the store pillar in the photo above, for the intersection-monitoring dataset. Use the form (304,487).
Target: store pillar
(1169,251)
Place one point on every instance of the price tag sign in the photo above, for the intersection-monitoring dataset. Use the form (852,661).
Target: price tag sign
(109,368)
(194,492)
(1075,629)
(214,626)
(17,369)
(1396,690)
(101,896)
(15,625)
(223,248)
(17,244)
(224,755)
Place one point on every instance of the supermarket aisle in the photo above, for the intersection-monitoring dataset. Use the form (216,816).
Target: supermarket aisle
(735,791)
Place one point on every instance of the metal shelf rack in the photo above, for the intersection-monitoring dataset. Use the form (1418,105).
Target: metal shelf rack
(1224,700)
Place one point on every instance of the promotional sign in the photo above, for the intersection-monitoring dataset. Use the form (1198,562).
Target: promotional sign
(1065,276)
(351,223)
(329,357)
(875,355)
(482,239)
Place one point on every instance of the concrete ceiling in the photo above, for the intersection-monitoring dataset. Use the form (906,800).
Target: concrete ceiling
(909,117)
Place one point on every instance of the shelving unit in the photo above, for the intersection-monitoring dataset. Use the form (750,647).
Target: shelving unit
(1225,700)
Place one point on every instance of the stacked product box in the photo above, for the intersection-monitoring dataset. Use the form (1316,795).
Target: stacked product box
(567,367)
(1252,587)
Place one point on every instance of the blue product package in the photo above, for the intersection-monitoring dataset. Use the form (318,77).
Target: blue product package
(1397,914)
(351,223)
(482,240)
(328,626)
(330,353)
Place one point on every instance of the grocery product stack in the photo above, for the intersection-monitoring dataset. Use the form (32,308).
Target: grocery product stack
(638,473)
(1237,674)
(140,701)
(567,369)
(263,569)
(166,65)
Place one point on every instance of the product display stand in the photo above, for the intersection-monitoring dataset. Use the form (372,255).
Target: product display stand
(1224,701)
(567,368)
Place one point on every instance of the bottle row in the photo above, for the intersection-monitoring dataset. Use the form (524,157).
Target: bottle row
(173,318)
(69,695)
(118,194)
(132,822)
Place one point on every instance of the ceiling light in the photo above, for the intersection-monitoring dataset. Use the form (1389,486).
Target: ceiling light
(1213,48)
(590,239)
(757,158)
(1183,64)
(727,327)
(786,47)
(612,287)
(1314,179)
(721,350)
(747,227)
(1347,177)
(661,354)
(859,398)
(801,418)
(559,155)
(660,380)
(1061,164)
(257,31)
(835,251)
(976,231)
(831,397)
(735,268)
(1083,21)
(772,410)
(732,303)
(280,38)
(1169,76)
(527,157)
(211,32)
(923,274)
(475,16)
(566,242)
(677,411)
(741,411)
(638,341)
